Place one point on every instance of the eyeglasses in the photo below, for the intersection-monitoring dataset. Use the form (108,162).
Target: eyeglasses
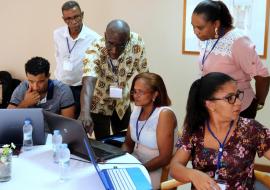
(231,98)
(139,92)
(76,18)
(109,45)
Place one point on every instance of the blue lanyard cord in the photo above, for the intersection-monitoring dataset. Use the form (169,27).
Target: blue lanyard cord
(70,50)
(206,55)
(138,133)
(112,66)
(213,47)
(221,146)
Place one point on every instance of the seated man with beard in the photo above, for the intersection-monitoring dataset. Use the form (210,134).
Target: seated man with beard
(38,91)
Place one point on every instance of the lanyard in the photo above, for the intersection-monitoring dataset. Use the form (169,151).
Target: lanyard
(112,66)
(206,55)
(213,47)
(138,133)
(70,50)
(221,146)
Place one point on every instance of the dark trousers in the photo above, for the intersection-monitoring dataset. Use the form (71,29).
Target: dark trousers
(251,111)
(76,91)
(102,123)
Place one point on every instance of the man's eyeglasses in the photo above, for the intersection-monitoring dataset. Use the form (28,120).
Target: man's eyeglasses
(139,92)
(75,18)
(109,45)
(231,98)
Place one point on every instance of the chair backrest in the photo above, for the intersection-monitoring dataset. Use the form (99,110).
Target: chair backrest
(164,176)
(6,82)
(8,85)
(165,170)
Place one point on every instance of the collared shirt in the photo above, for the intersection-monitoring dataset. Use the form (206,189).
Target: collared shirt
(96,64)
(59,96)
(75,56)
(235,56)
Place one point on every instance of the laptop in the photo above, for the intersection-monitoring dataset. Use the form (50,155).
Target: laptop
(73,134)
(115,139)
(119,178)
(11,126)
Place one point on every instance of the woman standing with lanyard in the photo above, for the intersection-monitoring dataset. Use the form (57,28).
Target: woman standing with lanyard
(152,130)
(221,145)
(225,49)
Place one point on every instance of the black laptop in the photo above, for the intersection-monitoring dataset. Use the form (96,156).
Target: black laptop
(11,126)
(73,134)
(115,139)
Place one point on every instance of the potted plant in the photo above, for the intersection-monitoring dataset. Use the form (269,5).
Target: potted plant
(5,162)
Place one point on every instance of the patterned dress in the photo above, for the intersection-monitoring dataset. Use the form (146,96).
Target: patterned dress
(237,162)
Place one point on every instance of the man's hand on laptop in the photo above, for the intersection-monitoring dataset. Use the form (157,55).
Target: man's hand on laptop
(87,122)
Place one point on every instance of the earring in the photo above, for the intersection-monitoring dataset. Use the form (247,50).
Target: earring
(153,99)
(216,32)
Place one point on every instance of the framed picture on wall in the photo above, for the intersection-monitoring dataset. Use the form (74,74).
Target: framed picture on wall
(251,16)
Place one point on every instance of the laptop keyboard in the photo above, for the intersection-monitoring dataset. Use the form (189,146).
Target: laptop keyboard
(100,153)
(121,179)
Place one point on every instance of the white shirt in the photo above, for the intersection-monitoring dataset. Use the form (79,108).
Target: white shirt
(72,54)
(146,147)
(148,135)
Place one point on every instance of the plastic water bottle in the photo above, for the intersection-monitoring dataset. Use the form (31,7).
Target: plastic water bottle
(27,135)
(64,158)
(56,142)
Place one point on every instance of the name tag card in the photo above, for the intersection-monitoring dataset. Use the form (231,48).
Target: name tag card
(67,65)
(222,186)
(116,92)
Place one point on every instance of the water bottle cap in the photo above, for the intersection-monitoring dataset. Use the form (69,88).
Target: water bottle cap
(64,145)
(56,132)
(27,121)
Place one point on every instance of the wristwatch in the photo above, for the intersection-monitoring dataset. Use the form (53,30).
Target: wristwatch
(260,106)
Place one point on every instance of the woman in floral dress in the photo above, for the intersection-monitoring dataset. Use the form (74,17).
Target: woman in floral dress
(221,145)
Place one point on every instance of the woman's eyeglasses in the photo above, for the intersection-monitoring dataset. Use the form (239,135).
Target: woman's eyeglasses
(139,92)
(231,98)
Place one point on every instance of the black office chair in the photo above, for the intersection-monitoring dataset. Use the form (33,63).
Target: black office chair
(8,86)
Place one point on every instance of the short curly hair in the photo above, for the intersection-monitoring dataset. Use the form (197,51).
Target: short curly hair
(37,65)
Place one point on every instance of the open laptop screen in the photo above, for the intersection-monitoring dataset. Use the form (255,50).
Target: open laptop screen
(71,130)
(11,125)
(73,134)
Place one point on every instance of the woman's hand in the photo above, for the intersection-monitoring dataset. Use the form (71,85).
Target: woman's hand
(202,181)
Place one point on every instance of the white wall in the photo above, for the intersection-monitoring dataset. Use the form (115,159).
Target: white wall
(27,26)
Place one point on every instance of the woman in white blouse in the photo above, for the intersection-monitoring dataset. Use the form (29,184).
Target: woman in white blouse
(153,127)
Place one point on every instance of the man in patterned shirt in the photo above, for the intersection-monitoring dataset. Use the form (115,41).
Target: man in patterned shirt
(108,65)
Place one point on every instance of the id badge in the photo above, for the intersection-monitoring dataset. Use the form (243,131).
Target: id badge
(67,65)
(116,92)
(222,184)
